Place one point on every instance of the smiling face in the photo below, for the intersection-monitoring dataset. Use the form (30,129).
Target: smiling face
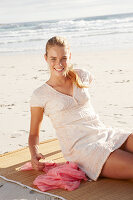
(58,59)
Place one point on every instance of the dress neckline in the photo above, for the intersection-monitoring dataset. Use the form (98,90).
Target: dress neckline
(56,91)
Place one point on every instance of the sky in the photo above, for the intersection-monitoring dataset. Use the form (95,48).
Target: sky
(12,11)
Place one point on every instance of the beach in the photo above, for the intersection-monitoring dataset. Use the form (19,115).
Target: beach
(100,36)
(111,91)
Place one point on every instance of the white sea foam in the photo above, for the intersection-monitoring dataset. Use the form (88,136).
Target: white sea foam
(32,35)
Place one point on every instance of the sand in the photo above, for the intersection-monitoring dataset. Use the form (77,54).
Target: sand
(12,191)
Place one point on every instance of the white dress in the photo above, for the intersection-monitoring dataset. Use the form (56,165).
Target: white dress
(83,138)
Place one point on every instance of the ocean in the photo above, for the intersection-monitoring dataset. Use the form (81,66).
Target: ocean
(98,32)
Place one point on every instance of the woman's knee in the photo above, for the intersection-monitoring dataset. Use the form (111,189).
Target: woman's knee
(128,144)
(119,165)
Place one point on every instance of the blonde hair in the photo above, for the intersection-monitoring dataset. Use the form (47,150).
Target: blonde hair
(62,42)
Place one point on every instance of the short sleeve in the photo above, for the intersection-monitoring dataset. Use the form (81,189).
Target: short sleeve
(86,76)
(36,100)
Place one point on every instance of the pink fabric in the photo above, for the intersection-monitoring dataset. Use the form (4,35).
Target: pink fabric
(66,176)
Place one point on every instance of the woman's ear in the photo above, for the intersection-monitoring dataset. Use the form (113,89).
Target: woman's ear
(45,56)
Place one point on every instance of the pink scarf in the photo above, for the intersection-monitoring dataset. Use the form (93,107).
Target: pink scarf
(66,176)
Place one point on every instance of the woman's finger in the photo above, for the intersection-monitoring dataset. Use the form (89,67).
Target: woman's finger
(37,164)
(38,167)
(42,156)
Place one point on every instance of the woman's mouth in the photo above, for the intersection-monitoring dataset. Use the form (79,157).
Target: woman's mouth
(59,70)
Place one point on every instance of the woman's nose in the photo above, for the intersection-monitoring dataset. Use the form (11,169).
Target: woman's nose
(58,63)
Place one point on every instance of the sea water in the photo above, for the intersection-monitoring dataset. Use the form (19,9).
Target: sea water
(97,32)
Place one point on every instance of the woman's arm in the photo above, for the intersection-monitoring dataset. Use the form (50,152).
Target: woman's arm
(36,119)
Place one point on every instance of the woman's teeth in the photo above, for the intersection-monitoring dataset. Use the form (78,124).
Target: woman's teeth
(59,70)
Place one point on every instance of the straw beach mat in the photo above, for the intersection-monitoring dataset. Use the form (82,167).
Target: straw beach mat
(103,189)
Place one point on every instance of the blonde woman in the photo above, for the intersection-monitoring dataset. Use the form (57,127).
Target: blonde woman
(84,139)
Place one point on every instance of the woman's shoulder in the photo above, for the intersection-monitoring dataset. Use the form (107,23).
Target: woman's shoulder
(39,90)
(84,74)
(39,96)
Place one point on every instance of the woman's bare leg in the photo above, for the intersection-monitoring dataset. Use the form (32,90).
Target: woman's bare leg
(128,144)
(119,165)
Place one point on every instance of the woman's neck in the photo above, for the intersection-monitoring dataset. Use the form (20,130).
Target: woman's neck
(58,81)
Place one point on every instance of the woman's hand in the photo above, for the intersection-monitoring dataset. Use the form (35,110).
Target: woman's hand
(36,164)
